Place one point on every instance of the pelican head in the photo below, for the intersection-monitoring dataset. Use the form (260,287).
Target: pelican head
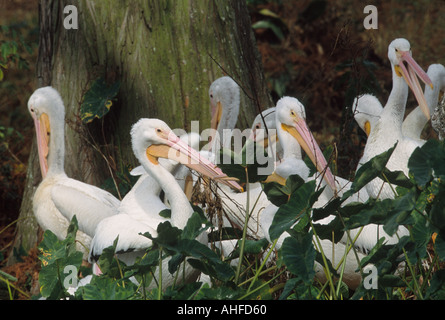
(224,98)
(263,122)
(290,116)
(399,54)
(153,139)
(367,109)
(46,108)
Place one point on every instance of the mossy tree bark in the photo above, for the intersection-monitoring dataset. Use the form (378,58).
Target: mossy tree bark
(164,53)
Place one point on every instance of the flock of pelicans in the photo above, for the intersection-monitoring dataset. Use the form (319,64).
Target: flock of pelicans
(167,162)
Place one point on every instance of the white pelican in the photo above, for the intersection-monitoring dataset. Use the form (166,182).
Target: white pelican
(290,120)
(224,95)
(415,121)
(294,134)
(152,139)
(388,129)
(58,198)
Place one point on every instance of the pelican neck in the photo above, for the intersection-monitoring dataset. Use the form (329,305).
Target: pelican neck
(181,210)
(391,118)
(56,153)
(291,147)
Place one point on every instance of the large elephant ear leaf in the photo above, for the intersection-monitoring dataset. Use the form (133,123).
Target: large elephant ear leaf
(369,171)
(98,99)
(426,161)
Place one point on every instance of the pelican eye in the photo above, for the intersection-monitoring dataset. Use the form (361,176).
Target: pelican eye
(258,126)
(158,130)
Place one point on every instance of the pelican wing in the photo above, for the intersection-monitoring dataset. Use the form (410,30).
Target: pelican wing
(127,229)
(89,203)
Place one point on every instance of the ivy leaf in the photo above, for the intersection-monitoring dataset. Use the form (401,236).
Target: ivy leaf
(98,100)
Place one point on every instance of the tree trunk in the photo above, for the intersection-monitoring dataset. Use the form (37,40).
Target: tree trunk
(164,53)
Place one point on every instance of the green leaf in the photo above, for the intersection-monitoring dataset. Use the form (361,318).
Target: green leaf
(182,292)
(437,212)
(105,288)
(289,213)
(436,291)
(330,208)
(265,24)
(250,247)
(269,13)
(108,261)
(401,212)
(426,159)
(166,213)
(226,233)
(387,257)
(55,255)
(168,235)
(375,213)
(221,292)
(299,256)
(390,280)
(397,178)
(98,100)
(289,286)
(327,153)
(331,231)
(279,194)
(440,246)
(369,171)
(253,158)
(196,224)
(221,271)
